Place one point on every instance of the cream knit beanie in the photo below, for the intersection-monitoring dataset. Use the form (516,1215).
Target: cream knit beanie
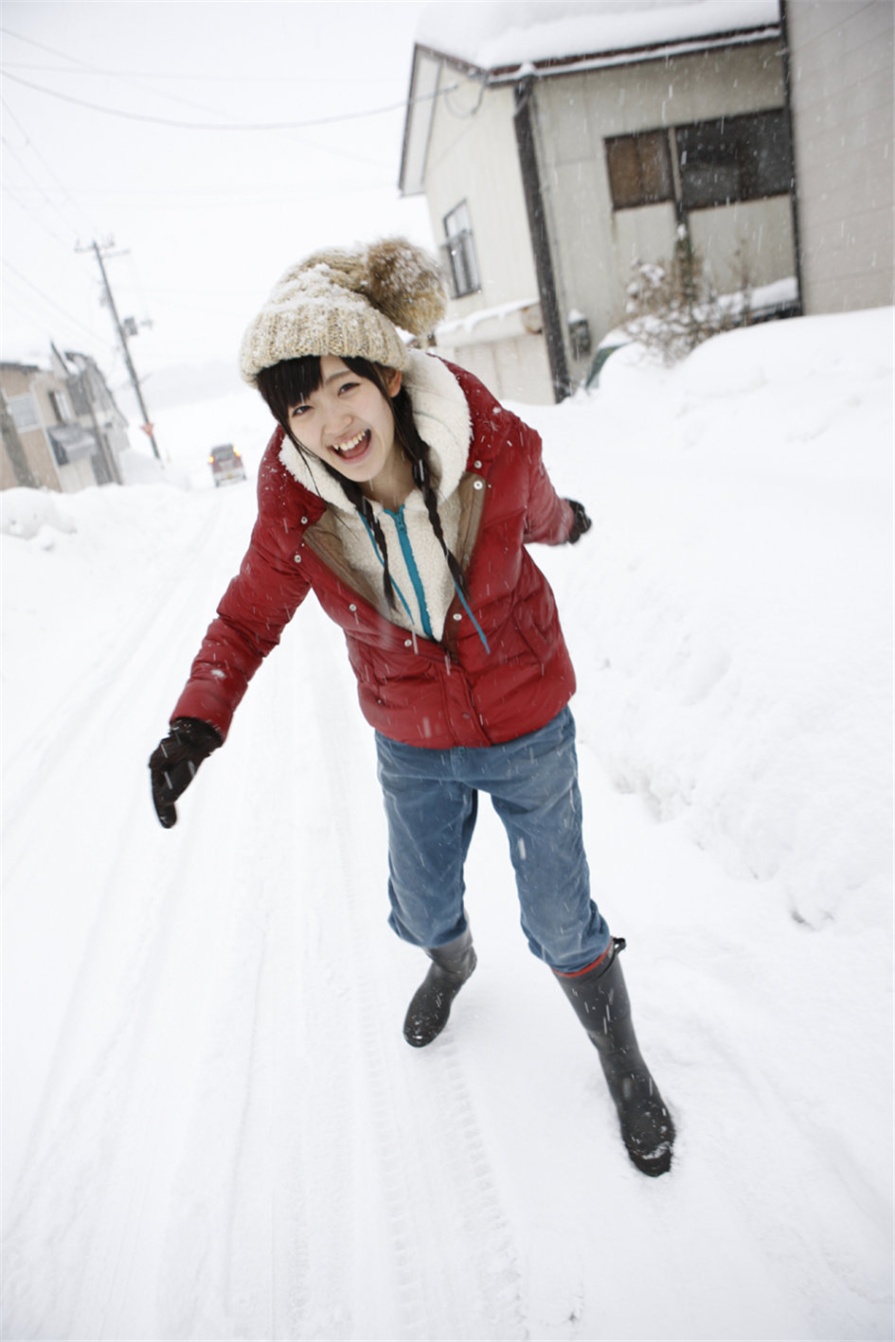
(349,304)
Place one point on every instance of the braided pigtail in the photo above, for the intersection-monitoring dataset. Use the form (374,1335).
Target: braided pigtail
(432,509)
(358,498)
(417,449)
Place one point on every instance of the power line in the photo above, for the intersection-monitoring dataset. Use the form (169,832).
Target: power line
(53,304)
(204,77)
(169,78)
(223,197)
(13,193)
(41,158)
(204,125)
(48,199)
(85,68)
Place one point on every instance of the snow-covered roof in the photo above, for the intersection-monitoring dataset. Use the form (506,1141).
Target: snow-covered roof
(500,41)
(495,35)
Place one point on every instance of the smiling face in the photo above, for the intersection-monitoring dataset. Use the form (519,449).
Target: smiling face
(348,423)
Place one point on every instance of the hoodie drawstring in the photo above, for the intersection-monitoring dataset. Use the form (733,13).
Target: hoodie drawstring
(412,569)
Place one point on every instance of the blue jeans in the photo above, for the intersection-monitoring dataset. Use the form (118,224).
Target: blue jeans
(431,801)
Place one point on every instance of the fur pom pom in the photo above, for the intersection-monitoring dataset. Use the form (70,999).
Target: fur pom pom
(405,284)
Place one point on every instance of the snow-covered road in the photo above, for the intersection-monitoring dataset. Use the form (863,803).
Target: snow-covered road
(212,1125)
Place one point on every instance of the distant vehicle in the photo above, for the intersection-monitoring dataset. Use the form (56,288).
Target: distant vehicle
(226,464)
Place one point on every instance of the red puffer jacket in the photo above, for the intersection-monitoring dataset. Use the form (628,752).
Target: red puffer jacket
(453,693)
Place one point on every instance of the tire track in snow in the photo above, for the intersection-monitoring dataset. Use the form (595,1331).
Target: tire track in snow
(90,1160)
(235,1257)
(471,1202)
(207,1230)
(434,1141)
(89,1165)
(238,1253)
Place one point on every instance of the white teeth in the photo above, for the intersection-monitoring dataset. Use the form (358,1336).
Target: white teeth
(348,447)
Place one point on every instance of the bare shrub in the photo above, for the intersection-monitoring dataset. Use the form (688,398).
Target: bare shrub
(673,307)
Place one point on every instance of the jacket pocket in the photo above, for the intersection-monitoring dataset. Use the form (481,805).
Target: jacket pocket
(536,624)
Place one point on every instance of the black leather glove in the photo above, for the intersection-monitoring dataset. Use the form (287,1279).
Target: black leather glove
(581,524)
(173,763)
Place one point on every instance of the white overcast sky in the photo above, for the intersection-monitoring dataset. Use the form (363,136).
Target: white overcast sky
(138,122)
(208,218)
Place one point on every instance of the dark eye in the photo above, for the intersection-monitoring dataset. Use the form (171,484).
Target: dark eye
(348,386)
(298,410)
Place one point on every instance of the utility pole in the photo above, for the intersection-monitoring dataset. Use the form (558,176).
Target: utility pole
(122,336)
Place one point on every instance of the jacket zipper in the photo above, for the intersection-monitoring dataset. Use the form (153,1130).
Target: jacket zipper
(412,569)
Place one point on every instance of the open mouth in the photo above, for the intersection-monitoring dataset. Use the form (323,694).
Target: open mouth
(354,448)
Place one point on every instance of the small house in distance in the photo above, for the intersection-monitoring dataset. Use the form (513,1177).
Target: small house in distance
(560,144)
(62,429)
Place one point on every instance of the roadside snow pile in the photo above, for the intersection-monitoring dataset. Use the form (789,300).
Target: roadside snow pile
(26,513)
(736,639)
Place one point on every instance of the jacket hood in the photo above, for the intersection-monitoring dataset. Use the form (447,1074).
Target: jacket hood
(442,418)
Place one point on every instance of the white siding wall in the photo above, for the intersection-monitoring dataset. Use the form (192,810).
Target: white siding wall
(751,240)
(77,475)
(842,74)
(473,157)
(516,369)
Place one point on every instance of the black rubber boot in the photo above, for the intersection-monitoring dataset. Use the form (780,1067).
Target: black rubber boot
(601,1002)
(430,1008)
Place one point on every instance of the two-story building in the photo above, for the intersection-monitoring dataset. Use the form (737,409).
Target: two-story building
(66,432)
(559,147)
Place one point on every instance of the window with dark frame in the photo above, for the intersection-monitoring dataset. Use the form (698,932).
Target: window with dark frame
(735,158)
(24,412)
(61,407)
(639,169)
(719,162)
(459,252)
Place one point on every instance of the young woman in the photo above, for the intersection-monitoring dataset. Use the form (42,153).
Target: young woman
(401,493)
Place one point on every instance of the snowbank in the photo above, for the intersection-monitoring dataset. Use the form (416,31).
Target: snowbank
(739,618)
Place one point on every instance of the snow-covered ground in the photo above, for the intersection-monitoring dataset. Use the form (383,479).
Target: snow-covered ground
(212,1127)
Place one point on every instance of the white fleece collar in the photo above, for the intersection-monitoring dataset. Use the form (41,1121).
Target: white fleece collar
(441,415)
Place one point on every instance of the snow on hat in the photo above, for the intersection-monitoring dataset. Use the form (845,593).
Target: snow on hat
(347,303)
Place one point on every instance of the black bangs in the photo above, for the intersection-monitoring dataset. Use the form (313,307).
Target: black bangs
(291,382)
